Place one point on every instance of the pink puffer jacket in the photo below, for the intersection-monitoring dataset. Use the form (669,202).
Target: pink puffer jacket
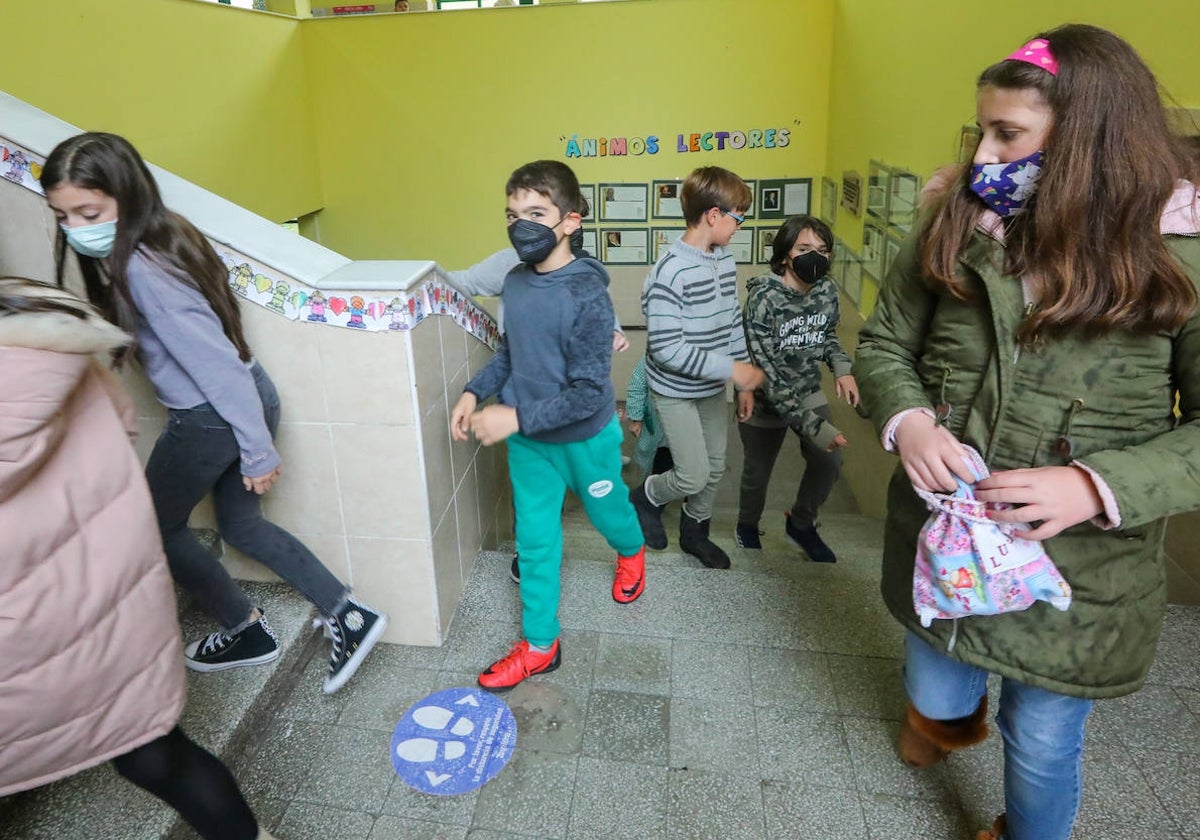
(90,656)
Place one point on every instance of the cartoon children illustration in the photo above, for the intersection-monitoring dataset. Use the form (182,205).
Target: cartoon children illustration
(240,279)
(397,310)
(18,165)
(279,296)
(316,306)
(358,308)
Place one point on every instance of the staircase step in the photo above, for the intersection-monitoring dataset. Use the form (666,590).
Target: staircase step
(224,711)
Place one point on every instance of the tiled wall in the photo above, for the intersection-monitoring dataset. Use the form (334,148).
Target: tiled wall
(372,483)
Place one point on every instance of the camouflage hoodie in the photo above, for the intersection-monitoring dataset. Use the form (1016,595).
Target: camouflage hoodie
(1110,398)
(789,335)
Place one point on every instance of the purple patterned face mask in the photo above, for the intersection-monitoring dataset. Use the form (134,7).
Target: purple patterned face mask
(1006,187)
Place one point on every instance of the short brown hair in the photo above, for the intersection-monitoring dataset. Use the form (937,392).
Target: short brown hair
(712,186)
(552,179)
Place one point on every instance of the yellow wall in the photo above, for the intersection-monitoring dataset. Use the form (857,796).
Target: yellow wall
(421,118)
(214,94)
(904,73)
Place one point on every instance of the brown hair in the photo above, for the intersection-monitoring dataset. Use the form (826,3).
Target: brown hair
(785,239)
(709,187)
(555,180)
(1090,235)
(109,164)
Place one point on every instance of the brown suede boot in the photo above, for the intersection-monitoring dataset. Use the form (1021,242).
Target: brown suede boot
(924,742)
(996,832)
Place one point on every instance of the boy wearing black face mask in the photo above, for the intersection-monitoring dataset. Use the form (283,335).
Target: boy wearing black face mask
(791,318)
(556,409)
(486,279)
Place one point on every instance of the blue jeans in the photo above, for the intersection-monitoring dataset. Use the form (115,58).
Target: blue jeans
(198,453)
(1042,732)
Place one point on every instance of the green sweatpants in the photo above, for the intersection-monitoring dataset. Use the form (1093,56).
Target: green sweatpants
(541,474)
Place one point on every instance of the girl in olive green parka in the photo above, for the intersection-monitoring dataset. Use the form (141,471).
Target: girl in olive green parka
(1045,314)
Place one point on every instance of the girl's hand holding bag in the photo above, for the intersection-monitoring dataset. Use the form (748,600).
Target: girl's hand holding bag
(967,564)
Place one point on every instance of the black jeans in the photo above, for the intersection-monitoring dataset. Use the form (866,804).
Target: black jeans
(197,453)
(761,447)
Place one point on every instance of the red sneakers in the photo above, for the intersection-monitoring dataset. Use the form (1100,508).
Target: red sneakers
(521,662)
(630,579)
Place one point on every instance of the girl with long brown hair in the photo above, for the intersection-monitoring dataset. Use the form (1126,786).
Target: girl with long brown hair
(151,272)
(1045,314)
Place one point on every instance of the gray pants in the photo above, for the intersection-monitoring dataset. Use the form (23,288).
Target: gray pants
(695,431)
(761,447)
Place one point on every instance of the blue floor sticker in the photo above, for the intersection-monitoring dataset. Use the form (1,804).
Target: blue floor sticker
(453,741)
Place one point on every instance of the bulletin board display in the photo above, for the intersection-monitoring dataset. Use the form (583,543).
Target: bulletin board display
(742,246)
(589,195)
(661,239)
(779,198)
(635,223)
(624,246)
(590,241)
(666,200)
(624,202)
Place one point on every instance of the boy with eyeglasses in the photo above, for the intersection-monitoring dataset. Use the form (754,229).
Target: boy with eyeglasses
(557,410)
(695,344)
(791,319)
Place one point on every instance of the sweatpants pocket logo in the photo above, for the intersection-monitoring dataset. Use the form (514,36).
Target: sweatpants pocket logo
(600,489)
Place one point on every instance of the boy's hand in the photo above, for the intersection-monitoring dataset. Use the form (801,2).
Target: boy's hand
(847,389)
(460,417)
(839,442)
(746,376)
(620,342)
(931,456)
(635,428)
(494,423)
(745,405)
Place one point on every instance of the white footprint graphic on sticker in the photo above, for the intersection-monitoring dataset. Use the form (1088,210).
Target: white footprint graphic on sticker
(425,750)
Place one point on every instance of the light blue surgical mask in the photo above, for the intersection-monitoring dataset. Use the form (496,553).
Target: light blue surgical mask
(92,240)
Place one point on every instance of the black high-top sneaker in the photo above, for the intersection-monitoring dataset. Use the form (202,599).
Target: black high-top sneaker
(254,644)
(693,540)
(354,629)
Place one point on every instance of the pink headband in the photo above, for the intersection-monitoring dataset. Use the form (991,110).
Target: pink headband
(1037,53)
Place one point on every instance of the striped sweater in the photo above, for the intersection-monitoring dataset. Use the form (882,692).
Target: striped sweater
(693,322)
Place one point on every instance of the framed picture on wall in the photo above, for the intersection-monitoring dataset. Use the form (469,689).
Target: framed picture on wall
(624,246)
(766,241)
(623,202)
(666,200)
(589,195)
(828,201)
(589,241)
(779,198)
(751,210)
(742,246)
(661,239)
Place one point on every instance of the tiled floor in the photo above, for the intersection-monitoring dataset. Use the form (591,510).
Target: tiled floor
(759,702)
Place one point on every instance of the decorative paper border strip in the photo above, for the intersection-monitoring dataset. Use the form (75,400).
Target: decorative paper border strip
(261,285)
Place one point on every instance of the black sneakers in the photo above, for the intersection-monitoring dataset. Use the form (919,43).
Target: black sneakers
(354,629)
(649,517)
(693,540)
(254,645)
(809,541)
(747,536)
